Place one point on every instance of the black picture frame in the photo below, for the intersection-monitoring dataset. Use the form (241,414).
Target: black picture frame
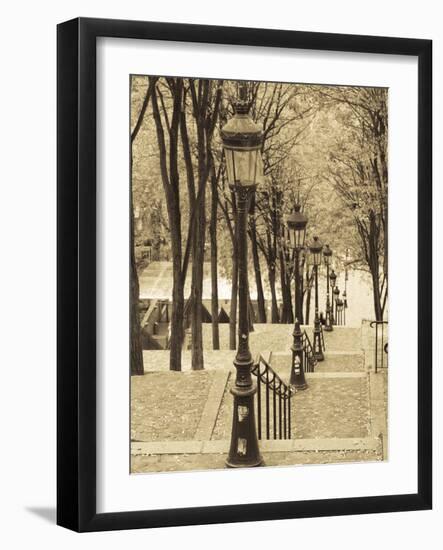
(76,266)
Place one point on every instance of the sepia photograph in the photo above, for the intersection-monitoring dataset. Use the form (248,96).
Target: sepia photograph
(258,274)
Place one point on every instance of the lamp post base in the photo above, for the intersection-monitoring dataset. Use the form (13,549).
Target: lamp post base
(249,464)
(299,387)
(328,319)
(318,346)
(297,378)
(244,451)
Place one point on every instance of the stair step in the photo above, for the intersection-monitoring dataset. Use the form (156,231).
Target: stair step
(343,339)
(278,445)
(341,363)
(333,363)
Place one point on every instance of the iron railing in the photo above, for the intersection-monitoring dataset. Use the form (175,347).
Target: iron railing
(381,344)
(309,360)
(273,402)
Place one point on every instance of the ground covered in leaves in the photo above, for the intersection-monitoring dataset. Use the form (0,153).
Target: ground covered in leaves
(167,406)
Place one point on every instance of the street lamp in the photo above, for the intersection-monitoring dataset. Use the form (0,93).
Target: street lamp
(296,223)
(345,295)
(327,254)
(336,293)
(315,249)
(242,140)
(332,280)
(339,311)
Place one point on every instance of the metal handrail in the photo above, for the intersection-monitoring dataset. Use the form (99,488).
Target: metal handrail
(381,346)
(309,359)
(276,401)
(322,337)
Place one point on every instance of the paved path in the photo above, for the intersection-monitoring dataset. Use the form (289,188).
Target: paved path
(278,338)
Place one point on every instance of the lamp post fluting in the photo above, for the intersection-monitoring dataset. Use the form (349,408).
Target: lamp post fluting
(315,249)
(296,225)
(327,254)
(242,140)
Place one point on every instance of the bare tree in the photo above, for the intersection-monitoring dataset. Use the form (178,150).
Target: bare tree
(136,352)
(358,168)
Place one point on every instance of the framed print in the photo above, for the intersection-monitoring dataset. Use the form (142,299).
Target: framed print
(244,274)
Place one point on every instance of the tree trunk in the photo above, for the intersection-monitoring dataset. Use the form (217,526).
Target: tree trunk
(378,310)
(257,271)
(274,305)
(136,352)
(171,186)
(178,300)
(197,289)
(177,334)
(136,343)
(214,273)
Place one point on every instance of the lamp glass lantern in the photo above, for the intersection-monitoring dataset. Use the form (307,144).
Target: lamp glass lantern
(242,141)
(315,249)
(327,253)
(333,278)
(296,223)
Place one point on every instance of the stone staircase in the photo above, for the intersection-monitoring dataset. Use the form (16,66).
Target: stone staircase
(338,418)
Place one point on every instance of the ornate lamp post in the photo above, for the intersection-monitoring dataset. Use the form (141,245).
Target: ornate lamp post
(336,293)
(332,280)
(345,295)
(339,311)
(296,223)
(242,140)
(315,249)
(327,254)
